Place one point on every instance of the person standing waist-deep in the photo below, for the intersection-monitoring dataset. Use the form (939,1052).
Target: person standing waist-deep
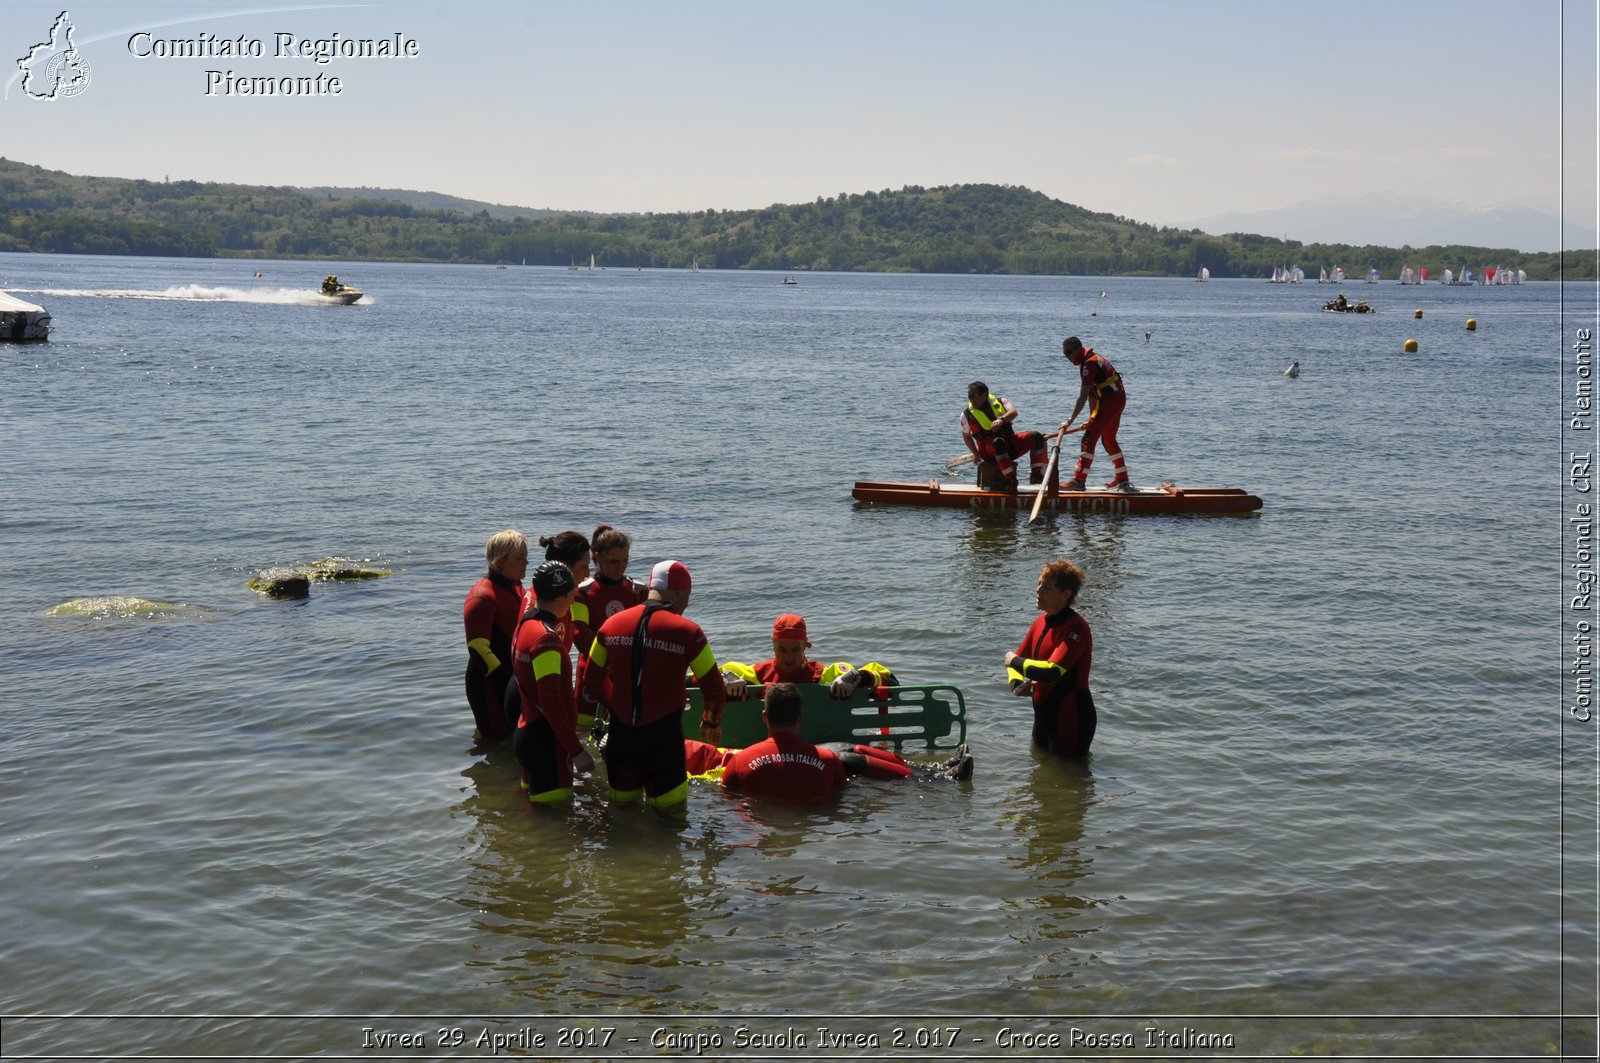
(636,671)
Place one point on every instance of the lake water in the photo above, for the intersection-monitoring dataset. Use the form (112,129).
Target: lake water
(1325,814)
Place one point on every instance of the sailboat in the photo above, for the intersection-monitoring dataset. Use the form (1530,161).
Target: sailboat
(591,260)
(1203,275)
(1372,275)
(1322,275)
(1338,275)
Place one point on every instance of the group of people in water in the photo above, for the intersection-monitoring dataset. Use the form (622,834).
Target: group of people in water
(989,431)
(637,655)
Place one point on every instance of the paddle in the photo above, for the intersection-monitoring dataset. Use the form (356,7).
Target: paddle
(951,464)
(1049,476)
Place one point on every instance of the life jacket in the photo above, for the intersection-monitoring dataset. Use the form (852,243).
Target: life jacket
(1109,380)
(988,421)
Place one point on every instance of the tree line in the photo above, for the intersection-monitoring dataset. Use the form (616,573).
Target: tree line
(971,228)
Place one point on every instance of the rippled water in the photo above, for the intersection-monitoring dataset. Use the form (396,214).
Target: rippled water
(1324,813)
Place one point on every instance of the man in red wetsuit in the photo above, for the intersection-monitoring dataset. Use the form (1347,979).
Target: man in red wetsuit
(1102,391)
(1052,665)
(785,765)
(490,617)
(987,430)
(546,743)
(789,664)
(636,672)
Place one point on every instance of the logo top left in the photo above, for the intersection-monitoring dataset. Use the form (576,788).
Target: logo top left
(55,68)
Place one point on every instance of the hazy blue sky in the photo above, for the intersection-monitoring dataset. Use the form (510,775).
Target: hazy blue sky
(1163,111)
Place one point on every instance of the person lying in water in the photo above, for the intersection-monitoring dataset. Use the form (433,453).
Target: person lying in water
(788,766)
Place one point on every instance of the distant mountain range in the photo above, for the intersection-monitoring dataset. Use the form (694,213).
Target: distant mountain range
(1399,220)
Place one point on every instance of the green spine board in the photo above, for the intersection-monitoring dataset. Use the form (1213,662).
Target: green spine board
(931,716)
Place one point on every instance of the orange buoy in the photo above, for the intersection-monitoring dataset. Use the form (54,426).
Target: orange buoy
(1411,346)
(1418,314)
(1472,324)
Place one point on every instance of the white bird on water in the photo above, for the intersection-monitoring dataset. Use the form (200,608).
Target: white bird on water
(1293,370)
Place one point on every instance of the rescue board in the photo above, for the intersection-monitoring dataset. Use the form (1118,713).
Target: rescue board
(1168,498)
(930,716)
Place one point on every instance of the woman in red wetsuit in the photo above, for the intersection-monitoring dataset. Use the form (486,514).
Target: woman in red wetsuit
(490,617)
(571,549)
(1052,665)
(546,743)
(603,595)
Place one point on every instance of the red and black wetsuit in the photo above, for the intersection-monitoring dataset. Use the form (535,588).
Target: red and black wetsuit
(547,735)
(1056,654)
(490,613)
(636,669)
(786,766)
(769,672)
(601,599)
(870,761)
(874,763)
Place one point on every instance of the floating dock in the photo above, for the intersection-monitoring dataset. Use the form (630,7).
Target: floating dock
(1168,498)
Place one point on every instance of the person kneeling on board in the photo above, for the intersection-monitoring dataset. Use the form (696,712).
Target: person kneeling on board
(988,430)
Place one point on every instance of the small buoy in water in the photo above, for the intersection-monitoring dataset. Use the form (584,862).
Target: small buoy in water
(1472,324)
(1418,314)
(1411,346)
(1293,370)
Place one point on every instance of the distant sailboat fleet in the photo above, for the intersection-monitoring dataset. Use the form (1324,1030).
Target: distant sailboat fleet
(1408,275)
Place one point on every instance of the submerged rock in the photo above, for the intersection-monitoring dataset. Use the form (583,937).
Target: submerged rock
(339,568)
(114,605)
(282,583)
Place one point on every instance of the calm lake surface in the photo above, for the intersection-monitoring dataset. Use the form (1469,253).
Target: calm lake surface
(1325,812)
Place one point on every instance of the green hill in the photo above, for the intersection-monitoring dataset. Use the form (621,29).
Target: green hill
(975,228)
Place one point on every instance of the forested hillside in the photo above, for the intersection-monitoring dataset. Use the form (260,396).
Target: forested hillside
(976,228)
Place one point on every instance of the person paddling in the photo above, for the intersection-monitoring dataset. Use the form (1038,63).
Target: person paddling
(1102,391)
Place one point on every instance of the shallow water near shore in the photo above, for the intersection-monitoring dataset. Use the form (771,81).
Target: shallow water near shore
(1324,812)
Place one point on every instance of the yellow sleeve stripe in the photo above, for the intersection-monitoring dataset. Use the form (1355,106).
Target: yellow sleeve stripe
(1043,671)
(597,654)
(547,663)
(481,648)
(703,663)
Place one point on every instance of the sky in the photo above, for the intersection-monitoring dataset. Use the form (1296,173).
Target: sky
(1431,120)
